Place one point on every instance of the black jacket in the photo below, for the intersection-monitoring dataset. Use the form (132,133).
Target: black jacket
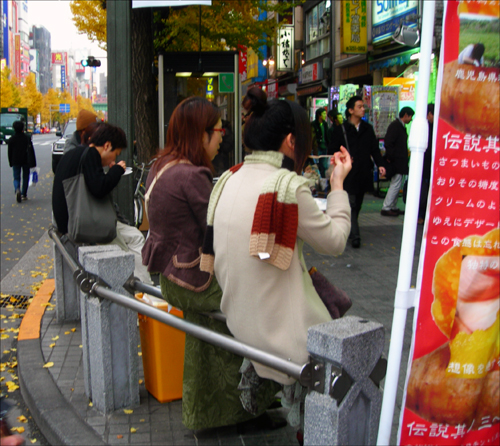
(363,146)
(396,148)
(21,151)
(99,183)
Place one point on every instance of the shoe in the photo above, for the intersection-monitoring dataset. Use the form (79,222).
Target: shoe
(399,211)
(24,197)
(356,243)
(18,196)
(389,213)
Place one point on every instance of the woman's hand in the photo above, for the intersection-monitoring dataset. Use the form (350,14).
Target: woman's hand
(342,163)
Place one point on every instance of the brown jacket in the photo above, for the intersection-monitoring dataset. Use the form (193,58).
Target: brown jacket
(177,213)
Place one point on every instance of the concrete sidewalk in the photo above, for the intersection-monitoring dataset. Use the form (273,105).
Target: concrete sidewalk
(64,414)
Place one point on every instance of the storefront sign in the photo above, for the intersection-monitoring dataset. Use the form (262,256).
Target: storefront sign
(272,90)
(57,59)
(387,16)
(252,64)
(452,392)
(311,73)
(286,48)
(354,29)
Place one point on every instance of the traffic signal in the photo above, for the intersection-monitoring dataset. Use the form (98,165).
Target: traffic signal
(91,62)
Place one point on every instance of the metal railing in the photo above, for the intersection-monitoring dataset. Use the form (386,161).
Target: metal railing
(307,374)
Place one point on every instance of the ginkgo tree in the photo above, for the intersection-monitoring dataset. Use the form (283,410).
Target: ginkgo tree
(225,25)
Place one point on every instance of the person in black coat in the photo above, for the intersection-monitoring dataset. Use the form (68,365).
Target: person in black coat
(396,156)
(320,140)
(362,144)
(21,155)
(427,168)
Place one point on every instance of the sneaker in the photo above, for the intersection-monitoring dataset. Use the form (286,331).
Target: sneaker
(18,196)
(356,243)
(24,197)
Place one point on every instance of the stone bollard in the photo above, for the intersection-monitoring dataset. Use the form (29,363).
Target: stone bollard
(67,291)
(82,252)
(112,335)
(347,410)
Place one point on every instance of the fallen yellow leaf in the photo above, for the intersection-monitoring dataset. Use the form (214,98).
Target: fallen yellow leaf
(56,338)
(4,336)
(141,381)
(91,404)
(119,436)
(128,411)
(19,429)
(52,345)
(73,330)
(22,419)
(33,440)
(6,351)
(140,353)
(142,420)
(48,365)
(133,430)
(67,332)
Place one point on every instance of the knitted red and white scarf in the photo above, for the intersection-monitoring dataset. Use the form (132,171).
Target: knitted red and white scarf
(276,217)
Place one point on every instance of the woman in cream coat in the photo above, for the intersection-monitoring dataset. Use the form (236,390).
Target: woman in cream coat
(268,296)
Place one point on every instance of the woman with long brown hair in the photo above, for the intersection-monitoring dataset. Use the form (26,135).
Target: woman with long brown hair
(178,191)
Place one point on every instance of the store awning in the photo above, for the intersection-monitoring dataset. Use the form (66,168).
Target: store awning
(392,60)
(311,88)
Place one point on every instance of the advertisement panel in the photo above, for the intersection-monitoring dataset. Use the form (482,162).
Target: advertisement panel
(452,389)
(354,29)
(242,59)
(311,73)
(387,16)
(34,61)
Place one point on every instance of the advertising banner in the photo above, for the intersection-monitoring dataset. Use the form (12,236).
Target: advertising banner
(452,389)
(63,77)
(354,28)
(57,59)
(17,53)
(242,62)
(387,15)
(385,108)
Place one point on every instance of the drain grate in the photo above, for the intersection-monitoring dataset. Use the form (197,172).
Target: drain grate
(17,301)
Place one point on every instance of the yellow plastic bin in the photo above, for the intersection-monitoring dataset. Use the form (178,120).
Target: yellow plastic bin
(162,353)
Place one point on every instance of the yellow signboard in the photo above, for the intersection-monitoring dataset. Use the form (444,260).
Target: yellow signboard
(354,27)
(252,64)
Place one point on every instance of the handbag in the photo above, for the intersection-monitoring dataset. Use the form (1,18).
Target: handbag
(90,219)
(336,300)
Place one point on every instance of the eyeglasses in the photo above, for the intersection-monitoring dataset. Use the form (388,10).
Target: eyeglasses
(223,131)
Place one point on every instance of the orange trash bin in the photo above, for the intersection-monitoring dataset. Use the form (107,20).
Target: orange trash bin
(162,353)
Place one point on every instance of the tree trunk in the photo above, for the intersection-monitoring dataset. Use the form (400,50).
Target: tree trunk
(144,84)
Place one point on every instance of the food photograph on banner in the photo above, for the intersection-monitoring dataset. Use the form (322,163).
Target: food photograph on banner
(452,392)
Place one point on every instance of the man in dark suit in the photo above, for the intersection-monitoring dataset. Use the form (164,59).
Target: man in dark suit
(396,156)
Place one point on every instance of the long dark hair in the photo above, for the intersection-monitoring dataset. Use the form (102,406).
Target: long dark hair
(190,120)
(271,122)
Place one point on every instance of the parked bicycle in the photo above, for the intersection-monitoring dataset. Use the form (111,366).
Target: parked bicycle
(141,171)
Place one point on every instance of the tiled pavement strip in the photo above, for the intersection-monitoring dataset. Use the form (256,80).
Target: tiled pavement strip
(369,276)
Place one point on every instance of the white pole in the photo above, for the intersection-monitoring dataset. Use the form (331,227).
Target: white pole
(404,298)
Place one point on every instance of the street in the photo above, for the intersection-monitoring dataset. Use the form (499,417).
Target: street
(24,223)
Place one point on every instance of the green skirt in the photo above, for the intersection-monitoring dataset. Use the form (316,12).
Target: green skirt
(210,395)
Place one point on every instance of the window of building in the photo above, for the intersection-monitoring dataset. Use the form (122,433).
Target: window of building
(318,30)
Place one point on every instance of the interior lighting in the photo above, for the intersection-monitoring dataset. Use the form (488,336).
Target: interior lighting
(208,74)
(183,74)
(416,56)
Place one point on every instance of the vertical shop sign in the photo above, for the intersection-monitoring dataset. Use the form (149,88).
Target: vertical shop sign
(242,52)
(210,89)
(17,55)
(57,59)
(63,77)
(286,49)
(452,388)
(354,28)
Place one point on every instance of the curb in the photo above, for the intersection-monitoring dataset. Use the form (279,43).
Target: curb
(54,415)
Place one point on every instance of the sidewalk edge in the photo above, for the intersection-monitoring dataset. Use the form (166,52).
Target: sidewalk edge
(54,415)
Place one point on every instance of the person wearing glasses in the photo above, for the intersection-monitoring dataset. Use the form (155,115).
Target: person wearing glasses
(178,189)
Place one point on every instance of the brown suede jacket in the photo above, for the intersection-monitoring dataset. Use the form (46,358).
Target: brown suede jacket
(177,213)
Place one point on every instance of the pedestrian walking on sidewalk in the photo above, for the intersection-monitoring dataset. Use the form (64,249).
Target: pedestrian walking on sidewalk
(358,137)
(396,156)
(22,157)
(178,190)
